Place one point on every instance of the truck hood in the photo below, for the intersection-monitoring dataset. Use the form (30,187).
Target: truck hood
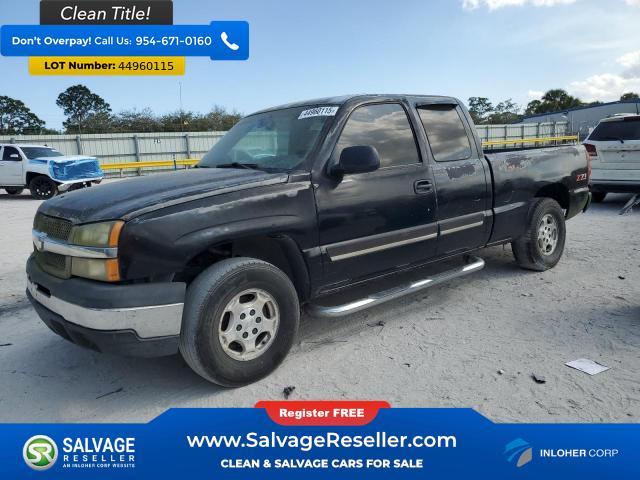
(65,158)
(126,199)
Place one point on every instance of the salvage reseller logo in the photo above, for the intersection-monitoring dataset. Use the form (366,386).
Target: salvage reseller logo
(40,452)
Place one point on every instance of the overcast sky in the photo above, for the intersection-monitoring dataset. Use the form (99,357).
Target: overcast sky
(307,49)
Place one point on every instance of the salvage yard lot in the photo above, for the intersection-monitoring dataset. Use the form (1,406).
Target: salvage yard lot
(473,342)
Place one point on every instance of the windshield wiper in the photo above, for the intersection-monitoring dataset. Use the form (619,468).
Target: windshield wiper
(248,166)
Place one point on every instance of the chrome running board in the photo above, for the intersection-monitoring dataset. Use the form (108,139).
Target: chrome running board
(473,264)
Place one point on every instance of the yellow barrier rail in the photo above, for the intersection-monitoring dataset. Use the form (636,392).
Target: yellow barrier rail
(515,141)
(151,164)
(190,162)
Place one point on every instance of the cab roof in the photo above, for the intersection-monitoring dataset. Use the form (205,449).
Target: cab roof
(24,145)
(342,99)
(621,117)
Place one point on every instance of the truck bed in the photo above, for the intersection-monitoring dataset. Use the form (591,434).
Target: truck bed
(519,175)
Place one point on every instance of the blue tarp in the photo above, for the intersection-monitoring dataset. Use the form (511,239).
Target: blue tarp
(75,169)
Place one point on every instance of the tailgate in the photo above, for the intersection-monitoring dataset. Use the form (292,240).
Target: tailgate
(620,156)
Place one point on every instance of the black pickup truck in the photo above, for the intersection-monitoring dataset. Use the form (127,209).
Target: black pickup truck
(293,206)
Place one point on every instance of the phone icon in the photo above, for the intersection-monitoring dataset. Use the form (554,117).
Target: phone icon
(225,39)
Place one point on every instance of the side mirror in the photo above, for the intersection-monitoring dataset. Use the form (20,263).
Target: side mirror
(357,159)
(14,156)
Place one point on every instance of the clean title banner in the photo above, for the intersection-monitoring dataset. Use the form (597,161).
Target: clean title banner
(220,40)
(78,12)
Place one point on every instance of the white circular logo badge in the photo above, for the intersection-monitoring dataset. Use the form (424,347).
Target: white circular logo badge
(40,452)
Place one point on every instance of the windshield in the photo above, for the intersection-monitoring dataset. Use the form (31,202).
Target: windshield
(40,152)
(279,140)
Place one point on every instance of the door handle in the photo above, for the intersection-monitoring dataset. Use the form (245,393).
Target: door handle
(422,186)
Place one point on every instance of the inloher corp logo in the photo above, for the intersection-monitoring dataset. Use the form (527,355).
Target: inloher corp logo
(40,452)
(518,451)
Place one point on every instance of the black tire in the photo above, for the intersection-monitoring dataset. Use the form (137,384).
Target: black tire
(206,300)
(527,250)
(42,187)
(598,197)
(14,190)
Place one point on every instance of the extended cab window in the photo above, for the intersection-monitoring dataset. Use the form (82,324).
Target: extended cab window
(446,133)
(8,151)
(627,129)
(385,127)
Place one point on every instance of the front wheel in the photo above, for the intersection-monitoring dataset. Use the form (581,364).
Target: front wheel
(598,197)
(240,319)
(542,245)
(42,187)
(14,190)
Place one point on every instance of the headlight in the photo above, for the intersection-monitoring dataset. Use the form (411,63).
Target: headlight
(97,235)
(104,234)
(96,269)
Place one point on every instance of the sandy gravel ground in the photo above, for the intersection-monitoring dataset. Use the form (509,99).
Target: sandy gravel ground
(474,342)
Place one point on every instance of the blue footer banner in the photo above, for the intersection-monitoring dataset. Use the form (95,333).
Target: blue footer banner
(331,439)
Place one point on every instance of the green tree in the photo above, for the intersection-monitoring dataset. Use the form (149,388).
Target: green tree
(218,119)
(630,96)
(505,112)
(479,109)
(79,104)
(553,101)
(533,107)
(101,122)
(136,121)
(17,119)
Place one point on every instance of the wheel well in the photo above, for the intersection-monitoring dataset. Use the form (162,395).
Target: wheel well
(280,251)
(32,175)
(558,192)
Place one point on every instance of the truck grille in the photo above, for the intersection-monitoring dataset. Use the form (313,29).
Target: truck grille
(53,263)
(57,228)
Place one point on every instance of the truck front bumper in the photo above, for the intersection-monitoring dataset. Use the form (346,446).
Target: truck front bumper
(134,320)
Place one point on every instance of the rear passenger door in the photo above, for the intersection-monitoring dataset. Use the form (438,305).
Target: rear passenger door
(461,179)
(373,222)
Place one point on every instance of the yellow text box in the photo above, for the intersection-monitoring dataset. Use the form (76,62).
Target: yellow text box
(107,65)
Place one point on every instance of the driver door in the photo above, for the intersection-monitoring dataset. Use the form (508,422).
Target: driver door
(370,223)
(10,166)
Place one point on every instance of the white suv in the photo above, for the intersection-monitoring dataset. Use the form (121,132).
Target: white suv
(614,148)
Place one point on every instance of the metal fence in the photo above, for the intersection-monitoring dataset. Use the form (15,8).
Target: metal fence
(120,148)
(519,131)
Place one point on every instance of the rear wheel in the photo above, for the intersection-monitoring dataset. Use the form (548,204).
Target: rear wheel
(14,190)
(598,197)
(240,319)
(42,187)
(542,245)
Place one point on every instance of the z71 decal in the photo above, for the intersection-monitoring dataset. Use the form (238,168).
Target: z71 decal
(581,177)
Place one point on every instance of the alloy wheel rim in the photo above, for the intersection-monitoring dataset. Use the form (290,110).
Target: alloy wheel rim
(249,324)
(548,234)
(43,189)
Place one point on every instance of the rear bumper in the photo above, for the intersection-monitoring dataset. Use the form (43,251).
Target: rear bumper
(135,320)
(615,186)
(579,200)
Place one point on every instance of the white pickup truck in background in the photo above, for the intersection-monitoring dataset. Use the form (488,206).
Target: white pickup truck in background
(44,170)
(614,148)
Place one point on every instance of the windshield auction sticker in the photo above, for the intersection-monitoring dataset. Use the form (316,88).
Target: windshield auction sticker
(320,439)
